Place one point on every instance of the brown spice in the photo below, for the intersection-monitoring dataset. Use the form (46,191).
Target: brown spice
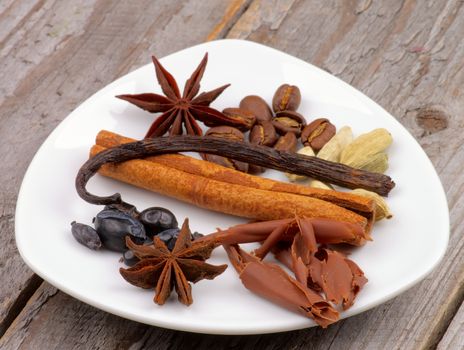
(286,98)
(286,143)
(271,282)
(257,106)
(289,121)
(164,270)
(317,133)
(242,118)
(180,111)
(360,204)
(229,133)
(220,196)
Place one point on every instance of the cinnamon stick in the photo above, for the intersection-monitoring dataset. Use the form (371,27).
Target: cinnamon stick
(217,195)
(360,204)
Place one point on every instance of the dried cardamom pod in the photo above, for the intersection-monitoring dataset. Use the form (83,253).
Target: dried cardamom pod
(363,152)
(381,207)
(319,184)
(378,163)
(307,151)
(332,149)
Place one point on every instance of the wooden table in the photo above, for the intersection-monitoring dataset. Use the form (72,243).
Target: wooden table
(406,55)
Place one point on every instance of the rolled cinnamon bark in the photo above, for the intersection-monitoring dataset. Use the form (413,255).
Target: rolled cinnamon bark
(362,205)
(224,197)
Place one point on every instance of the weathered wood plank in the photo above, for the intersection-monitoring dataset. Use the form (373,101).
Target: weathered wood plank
(74,326)
(403,54)
(55,54)
(454,336)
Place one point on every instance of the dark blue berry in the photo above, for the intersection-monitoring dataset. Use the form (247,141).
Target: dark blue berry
(166,235)
(171,243)
(196,235)
(169,237)
(129,258)
(157,219)
(113,226)
(86,235)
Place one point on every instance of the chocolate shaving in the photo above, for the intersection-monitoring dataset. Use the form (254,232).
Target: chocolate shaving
(326,231)
(323,170)
(316,267)
(273,283)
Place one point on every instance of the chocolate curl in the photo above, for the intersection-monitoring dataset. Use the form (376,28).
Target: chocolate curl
(249,233)
(285,257)
(333,232)
(321,270)
(341,278)
(273,283)
(303,247)
(326,231)
(271,240)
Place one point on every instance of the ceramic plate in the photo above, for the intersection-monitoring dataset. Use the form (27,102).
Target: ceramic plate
(405,249)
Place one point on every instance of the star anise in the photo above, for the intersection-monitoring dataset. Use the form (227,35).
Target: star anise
(164,270)
(180,111)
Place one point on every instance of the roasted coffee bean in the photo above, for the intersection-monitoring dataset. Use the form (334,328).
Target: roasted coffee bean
(287,143)
(317,133)
(243,119)
(225,132)
(289,121)
(230,133)
(226,162)
(257,106)
(113,226)
(157,219)
(264,134)
(86,235)
(255,169)
(286,98)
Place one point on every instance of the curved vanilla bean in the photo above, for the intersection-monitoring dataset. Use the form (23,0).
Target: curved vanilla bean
(320,169)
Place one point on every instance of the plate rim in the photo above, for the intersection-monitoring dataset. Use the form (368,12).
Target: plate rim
(236,330)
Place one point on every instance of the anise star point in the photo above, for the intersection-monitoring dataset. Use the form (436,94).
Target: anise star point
(179,112)
(166,270)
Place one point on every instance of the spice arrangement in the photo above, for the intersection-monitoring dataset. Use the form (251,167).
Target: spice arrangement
(300,222)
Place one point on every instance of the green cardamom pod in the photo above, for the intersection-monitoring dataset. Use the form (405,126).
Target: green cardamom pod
(367,151)
(381,208)
(307,151)
(333,149)
(319,184)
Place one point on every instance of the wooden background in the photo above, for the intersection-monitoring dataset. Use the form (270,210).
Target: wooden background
(407,55)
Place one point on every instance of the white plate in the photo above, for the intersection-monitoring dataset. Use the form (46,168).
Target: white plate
(405,249)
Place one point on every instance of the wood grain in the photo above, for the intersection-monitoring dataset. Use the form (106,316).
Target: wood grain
(407,55)
(454,336)
(404,55)
(54,55)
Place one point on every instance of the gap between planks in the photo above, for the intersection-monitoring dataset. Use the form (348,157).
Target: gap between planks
(231,15)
